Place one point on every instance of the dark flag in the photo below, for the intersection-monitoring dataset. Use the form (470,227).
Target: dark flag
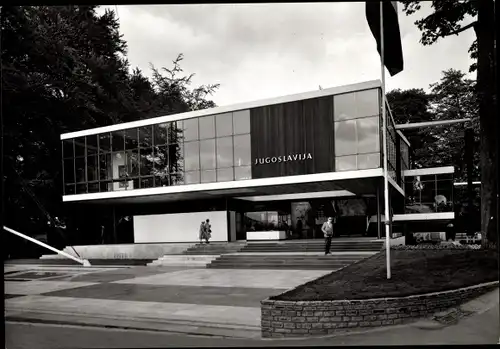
(393,51)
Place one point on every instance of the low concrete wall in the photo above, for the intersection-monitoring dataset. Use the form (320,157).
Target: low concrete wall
(125,251)
(310,318)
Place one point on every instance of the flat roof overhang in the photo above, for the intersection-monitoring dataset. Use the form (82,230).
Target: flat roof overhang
(346,183)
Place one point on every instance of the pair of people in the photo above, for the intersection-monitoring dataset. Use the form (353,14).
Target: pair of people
(328,231)
(205,231)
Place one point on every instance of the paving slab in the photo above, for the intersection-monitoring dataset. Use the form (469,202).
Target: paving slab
(39,286)
(246,278)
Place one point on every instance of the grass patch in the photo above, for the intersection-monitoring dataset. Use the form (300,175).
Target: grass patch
(414,272)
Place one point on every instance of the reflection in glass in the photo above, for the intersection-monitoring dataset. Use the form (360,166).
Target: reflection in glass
(146,162)
(133,163)
(147,182)
(68,150)
(104,142)
(207,127)
(105,167)
(344,106)
(241,122)
(225,174)
(176,179)
(69,170)
(92,148)
(145,137)
(224,124)
(367,130)
(224,152)
(345,163)
(345,138)
(160,160)
(81,188)
(175,134)
(131,139)
(190,128)
(119,165)
(176,158)
(242,150)
(192,177)
(80,170)
(242,173)
(69,189)
(191,156)
(160,133)
(118,140)
(367,103)
(80,146)
(368,161)
(92,168)
(208,176)
(207,154)
(93,187)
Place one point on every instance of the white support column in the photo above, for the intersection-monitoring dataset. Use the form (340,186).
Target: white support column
(384,145)
(84,262)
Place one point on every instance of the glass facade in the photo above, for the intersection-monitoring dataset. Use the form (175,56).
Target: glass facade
(429,193)
(357,130)
(206,149)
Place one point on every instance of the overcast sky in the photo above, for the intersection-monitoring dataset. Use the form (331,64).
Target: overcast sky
(257,51)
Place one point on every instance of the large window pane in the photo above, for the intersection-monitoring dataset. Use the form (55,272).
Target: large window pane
(146,162)
(345,138)
(176,158)
(104,143)
(192,177)
(81,188)
(119,165)
(207,154)
(92,168)
(68,150)
(345,163)
(344,106)
(160,133)
(242,173)
(192,156)
(80,146)
(105,167)
(368,161)
(241,122)
(368,135)
(118,140)
(131,139)
(133,163)
(367,103)
(224,152)
(69,189)
(208,176)
(80,170)
(190,127)
(146,136)
(207,127)
(242,150)
(175,135)
(92,148)
(225,174)
(161,161)
(224,124)
(69,170)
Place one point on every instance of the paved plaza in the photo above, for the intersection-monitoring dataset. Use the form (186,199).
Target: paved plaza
(178,299)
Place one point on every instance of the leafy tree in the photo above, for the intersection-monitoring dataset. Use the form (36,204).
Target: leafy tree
(448,18)
(64,69)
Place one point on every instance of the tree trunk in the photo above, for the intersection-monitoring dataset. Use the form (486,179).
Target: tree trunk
(485,30)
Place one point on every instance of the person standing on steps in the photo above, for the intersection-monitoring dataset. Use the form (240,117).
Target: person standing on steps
(202,232)
(208,231)
(327,230)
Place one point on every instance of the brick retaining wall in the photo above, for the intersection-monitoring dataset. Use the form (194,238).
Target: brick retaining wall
(310,318)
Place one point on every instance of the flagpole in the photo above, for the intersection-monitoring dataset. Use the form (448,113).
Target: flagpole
(384,145)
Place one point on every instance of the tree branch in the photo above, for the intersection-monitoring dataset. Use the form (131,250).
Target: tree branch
(458,31)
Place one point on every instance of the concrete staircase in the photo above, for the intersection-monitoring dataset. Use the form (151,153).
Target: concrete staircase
(285,261)
(344,245)
(215,248)
(183,261)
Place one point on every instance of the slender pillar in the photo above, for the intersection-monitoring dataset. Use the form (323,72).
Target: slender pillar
(469,156)
(379,236)
(114,226)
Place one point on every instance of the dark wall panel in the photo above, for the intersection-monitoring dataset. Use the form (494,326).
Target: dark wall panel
(293,138)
